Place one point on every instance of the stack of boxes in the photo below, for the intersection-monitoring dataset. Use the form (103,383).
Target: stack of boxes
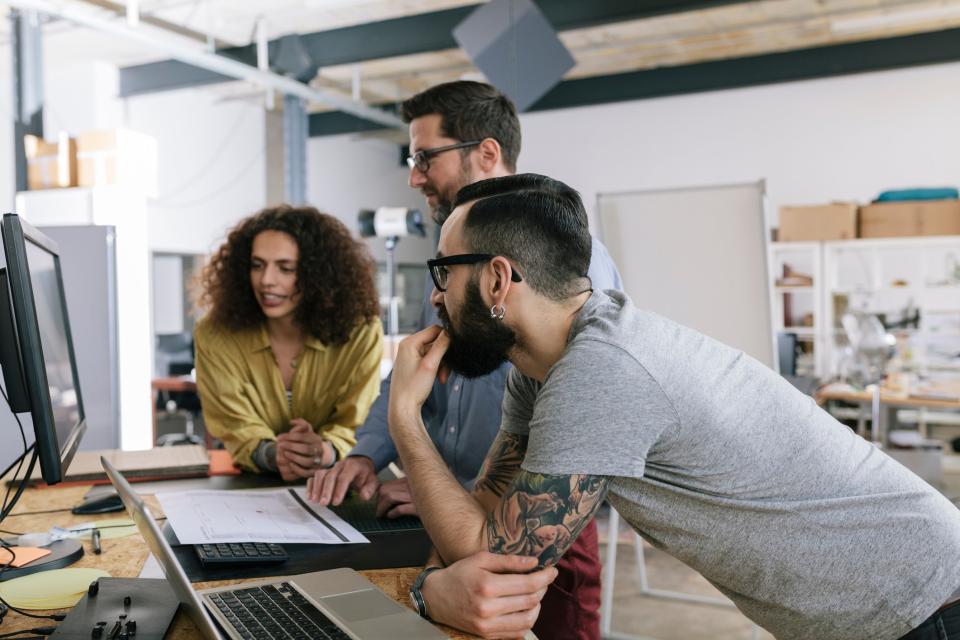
(93,159)
(844,221)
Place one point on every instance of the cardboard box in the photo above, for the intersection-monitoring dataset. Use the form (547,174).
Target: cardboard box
(918,218)
(117,157)
(51,165)
(836,221)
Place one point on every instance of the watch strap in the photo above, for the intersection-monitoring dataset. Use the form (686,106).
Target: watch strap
(417,595)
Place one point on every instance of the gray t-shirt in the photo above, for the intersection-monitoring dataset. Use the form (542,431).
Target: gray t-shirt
(813,532)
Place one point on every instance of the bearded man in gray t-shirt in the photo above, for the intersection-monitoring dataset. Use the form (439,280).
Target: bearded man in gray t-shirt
(812,531)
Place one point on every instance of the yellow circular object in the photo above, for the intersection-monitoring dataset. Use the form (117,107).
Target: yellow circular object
(54,589)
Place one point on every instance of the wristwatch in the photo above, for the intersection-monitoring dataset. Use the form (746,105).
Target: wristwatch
(416,597)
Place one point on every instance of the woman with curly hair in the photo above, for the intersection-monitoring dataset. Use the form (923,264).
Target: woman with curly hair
(288,353)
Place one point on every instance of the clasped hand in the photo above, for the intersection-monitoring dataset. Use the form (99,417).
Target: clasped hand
(300,449)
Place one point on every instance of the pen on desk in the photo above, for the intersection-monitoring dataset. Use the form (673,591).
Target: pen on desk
(96,542)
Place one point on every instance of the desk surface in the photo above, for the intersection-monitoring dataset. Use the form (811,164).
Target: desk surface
(173,384)
(897,397)
(124,557)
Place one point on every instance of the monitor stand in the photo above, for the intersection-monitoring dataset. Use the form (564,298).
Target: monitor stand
(63,553)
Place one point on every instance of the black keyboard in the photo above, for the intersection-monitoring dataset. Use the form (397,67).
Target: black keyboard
(240,553)
(362,515)
(274,611)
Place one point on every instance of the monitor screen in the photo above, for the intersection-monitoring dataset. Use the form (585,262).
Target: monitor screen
(51,320)
(43,379)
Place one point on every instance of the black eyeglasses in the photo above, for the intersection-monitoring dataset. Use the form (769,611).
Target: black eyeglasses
(439,273)
(421,159)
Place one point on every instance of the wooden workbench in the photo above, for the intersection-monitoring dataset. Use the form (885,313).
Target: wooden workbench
(124,557)
(897,397)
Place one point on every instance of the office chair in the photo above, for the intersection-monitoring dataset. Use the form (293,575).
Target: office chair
(178,412)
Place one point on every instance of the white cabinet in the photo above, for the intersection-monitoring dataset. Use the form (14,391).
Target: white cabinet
(125,210)
(911,281)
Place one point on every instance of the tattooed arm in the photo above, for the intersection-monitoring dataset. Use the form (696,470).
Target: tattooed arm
(524,513)
(500,467)
(541,515)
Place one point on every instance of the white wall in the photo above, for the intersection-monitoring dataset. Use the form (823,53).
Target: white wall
(348,173)
(211,163)
(7,188)
(79,97)
(813,141)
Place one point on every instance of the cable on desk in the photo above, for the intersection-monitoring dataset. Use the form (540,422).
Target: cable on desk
(10,502)
(109,526)
(36,513)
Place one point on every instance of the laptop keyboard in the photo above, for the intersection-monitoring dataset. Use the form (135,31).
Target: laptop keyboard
(274,611)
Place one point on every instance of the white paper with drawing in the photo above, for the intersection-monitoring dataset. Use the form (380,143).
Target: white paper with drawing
(280,516)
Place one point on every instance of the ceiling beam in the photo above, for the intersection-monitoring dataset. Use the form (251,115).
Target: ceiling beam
(803,64)
(806,64)
(173,45)
(420,33)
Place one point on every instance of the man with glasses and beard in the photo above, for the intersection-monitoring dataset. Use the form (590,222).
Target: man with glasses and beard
(462,132)
(813,532)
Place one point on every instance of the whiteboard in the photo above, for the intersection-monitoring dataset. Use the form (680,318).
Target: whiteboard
(697,256)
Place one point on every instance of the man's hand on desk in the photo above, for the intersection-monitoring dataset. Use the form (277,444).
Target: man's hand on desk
(488,594)
(330,486)
(301,451)
(396,500)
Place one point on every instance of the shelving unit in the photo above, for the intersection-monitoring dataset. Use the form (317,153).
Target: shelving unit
(798,309)
(892,277)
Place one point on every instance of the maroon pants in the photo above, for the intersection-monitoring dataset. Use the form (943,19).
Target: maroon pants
(571,606)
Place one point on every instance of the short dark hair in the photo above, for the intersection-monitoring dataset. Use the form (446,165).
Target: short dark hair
(335,273)
(537,222)
(470,111)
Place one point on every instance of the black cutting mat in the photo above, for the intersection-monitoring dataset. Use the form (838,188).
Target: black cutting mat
(362,516)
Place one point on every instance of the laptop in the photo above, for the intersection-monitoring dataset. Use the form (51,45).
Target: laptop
(337,605)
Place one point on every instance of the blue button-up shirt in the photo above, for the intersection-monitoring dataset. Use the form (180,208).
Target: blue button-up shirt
(463,415)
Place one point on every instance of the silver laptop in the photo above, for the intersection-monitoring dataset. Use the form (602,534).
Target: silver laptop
(337,604)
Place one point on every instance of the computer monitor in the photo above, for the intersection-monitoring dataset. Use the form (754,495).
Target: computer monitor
(36,349)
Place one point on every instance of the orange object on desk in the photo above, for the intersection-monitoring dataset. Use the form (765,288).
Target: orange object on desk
(21,556)
(221,463)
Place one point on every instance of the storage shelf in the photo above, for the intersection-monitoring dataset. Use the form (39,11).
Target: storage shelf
(864,271)
(800,331)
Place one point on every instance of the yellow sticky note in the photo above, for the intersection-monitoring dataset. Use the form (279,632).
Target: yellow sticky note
(21,555)
(55,589)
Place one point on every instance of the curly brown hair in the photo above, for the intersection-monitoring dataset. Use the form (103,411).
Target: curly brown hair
(335,273)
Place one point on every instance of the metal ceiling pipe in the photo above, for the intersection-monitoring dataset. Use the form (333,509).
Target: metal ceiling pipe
(160,39)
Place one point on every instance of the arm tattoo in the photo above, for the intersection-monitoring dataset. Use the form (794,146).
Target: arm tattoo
(541,515)
(501,464)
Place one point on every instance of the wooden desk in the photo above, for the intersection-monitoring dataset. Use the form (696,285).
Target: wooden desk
(897,398)
(124,557)
(891,399)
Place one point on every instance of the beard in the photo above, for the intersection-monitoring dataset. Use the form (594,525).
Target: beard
(480,344)
(444,207)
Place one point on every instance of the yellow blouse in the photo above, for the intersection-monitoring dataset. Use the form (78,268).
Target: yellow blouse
(244,400)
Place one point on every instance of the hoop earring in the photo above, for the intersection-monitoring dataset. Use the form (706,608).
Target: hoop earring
(498,315)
